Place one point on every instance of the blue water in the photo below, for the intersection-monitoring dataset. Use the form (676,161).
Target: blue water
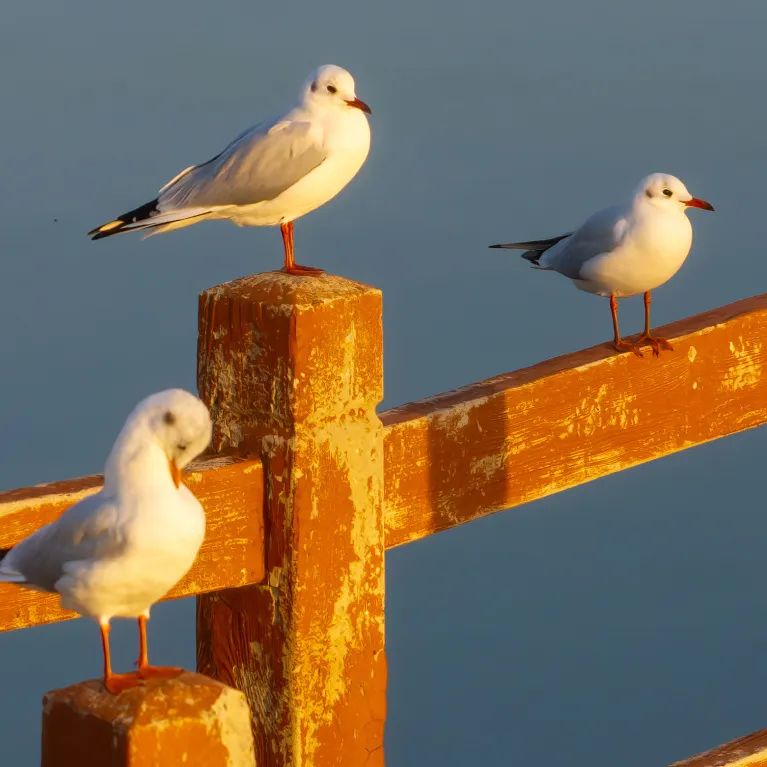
(617,623)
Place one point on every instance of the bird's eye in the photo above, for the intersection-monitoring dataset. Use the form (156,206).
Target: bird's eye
(667,192)
(169,418)
(332,89)
(182,446)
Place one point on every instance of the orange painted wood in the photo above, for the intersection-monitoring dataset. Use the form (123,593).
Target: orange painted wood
(291,369)
(190,720)
(231,492)
(494,444)
(524,435)
(749,751)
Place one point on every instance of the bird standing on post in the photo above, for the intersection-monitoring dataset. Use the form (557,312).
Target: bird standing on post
(117,552)
(273,173)
(625,250)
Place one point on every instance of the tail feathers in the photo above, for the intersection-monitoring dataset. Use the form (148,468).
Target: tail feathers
(534,249)
(7,573)
(147,216)
(11,576)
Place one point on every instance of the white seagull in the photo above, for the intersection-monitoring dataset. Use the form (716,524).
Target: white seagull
(117,552)
(273,173)
(625,250)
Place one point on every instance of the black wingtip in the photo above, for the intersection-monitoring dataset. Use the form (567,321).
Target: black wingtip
(3,554)
(135,216)
(95,234)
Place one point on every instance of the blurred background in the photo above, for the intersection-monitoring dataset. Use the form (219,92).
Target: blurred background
(617,623)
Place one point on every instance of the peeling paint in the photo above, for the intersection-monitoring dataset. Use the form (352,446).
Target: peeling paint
(747,370)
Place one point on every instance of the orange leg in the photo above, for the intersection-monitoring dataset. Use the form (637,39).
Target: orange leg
(145,670)
(647,337)
(618,342)
(115,683)
(291,267)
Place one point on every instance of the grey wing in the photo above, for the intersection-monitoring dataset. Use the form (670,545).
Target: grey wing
(84,531)
(258,165)
(600,233)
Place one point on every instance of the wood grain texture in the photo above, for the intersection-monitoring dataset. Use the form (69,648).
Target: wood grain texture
(291,369)
(231,492)
(749,751)
(524,435)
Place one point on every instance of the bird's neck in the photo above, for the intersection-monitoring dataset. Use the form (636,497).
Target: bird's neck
(136,461)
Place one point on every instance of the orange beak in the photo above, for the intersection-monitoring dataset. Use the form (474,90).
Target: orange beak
(359,104)
(175,472)
(695,202)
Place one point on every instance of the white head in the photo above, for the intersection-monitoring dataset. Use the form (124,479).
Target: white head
(666,192)
(331,87)
(174,420)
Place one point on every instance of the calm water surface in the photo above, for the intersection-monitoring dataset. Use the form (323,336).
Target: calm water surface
(620,623)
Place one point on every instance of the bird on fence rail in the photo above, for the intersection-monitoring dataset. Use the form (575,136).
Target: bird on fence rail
(273,173)
(117,552)
(625,250)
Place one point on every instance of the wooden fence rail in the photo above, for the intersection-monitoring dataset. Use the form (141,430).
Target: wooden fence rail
(308,489)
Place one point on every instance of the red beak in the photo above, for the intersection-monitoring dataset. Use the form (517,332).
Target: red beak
(359,104)
(175,472)
(696,202)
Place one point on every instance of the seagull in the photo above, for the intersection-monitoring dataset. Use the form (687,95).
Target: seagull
(117,552)
(625,250)
(273,173)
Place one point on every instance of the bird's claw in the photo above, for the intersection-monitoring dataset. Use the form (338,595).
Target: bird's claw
(303,271)
(626,346)
(159,672)
(117,683)
(656,343)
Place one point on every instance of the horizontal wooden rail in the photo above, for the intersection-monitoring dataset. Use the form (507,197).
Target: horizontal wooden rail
(232,554)
(524,435)
(490,446)
(749,751)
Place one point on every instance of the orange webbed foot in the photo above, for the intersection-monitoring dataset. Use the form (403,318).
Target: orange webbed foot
(303,271)
(159,672)
(656,343)
(622,345)
(117,683)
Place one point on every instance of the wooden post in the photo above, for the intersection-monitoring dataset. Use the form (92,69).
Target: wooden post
(190,720)
(291,368)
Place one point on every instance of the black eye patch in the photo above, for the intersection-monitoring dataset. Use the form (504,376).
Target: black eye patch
(169,418)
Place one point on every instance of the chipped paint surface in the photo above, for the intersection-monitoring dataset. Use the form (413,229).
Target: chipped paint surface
(747,370)
(187,720)
(295,379)
(523,435)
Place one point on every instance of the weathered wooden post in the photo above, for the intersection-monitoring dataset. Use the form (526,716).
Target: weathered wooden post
(190,720)
(291,368)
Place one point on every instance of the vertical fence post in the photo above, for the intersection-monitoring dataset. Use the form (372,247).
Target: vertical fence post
(190,720)
(291,368)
